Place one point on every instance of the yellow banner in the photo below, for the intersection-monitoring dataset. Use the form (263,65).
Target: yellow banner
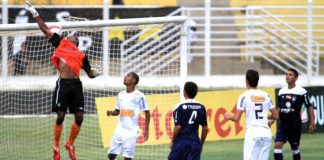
(161,107)
(150,2)
(219,102)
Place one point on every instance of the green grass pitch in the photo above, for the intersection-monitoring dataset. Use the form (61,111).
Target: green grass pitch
(32,138)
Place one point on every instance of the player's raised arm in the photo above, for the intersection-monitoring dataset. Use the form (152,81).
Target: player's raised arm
(39,20)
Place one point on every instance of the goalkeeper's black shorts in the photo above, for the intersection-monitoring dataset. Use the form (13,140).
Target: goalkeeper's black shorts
(68,93)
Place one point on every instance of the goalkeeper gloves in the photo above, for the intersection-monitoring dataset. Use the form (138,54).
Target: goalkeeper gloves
(97,71)
(31,9)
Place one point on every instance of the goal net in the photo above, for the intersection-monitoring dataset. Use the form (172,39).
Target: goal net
(151,47)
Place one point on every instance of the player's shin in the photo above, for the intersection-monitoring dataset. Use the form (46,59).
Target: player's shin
(57,135)
(75,129)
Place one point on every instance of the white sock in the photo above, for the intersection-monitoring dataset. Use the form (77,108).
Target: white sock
(294,152)
(277,151)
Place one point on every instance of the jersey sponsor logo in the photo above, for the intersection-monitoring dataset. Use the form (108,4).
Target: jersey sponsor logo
(193,106)
(257,98)
(184,107)
(127,113)
(288,109)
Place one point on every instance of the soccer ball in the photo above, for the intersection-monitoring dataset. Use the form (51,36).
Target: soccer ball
(56,28)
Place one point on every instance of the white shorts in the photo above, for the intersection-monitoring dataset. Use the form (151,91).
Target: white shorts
(125,144)
(257,148)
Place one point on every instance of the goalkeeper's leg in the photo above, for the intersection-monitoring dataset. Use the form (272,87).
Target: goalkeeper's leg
(75,129)
(57,134)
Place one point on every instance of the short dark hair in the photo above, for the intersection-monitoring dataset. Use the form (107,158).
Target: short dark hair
(294,71)
(135,76)
(191,89)
(252,77)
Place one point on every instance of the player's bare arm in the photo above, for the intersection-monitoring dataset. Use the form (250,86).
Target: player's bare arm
(176,131)
(312,126)
(147,124)
(236,117)
(113,113)
(204,133)
(274,114)
(39,20)
(273,117)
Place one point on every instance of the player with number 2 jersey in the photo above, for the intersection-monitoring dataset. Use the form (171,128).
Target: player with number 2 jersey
(256,104)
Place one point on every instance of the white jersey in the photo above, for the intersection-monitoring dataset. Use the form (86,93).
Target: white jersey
(130,105)
(257,141)
(256,105)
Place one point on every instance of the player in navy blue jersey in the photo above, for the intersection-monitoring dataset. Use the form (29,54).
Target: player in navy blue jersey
(188,115)
(289,103)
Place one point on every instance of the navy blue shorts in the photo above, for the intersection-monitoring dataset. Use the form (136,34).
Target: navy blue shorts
(185,150)
(290,134)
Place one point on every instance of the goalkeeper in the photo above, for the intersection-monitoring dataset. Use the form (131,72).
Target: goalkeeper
(68,60)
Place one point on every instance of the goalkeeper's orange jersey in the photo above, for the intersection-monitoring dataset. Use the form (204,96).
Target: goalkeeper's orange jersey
(70,55)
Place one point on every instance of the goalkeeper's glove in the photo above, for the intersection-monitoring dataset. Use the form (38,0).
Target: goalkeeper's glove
(97,71)
(31,9)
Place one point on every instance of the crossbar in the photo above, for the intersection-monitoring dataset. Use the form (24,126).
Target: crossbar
(97,23)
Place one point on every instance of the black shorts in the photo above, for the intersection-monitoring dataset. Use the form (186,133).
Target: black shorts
(68,93)
(289,133)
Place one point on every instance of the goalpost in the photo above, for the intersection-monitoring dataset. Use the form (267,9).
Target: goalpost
(155,48)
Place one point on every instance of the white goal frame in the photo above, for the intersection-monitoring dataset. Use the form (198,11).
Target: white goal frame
(27,84)
(106,23)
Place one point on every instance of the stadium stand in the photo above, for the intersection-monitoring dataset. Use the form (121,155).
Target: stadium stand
(98,2)
(295,16)
(227,64)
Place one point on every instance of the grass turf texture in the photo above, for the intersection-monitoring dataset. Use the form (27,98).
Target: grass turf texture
(32,138)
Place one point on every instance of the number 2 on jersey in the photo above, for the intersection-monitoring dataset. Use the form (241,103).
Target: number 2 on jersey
(193,117)
(257,111)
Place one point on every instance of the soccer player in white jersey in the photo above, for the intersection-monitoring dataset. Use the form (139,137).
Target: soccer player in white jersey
(130,103)
(255,104)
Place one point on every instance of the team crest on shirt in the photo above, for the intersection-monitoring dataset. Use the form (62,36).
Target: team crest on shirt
(288,104)
(184,107)
(134,100)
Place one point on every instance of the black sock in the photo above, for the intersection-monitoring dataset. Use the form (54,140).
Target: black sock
(296,156)
(278,156)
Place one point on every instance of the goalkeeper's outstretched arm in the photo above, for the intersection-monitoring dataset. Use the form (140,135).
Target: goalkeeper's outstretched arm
(39,20)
